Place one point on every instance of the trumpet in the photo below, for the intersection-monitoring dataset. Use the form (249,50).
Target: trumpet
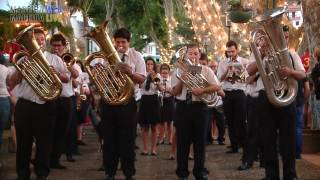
(234,76)
(81,98)
(154,78)
(68,59)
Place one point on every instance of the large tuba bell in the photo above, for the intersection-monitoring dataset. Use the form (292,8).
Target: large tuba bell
(281,91)
(33,66)
(115,87)
(191,76)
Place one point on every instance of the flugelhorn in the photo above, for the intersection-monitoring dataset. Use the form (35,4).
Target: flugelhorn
(191,76)
(281,91)
(33,66)
(114,87)
(68,59)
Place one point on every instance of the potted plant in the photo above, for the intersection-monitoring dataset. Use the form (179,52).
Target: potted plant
(238,12)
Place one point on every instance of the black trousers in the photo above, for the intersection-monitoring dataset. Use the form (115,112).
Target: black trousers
(234,106)
(119,128)
(72,129)
(34,122)
(63,118)
(253,143)
(191,127)
(215,114)
(278,123)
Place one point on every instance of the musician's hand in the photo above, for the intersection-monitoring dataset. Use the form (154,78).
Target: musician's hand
(53,70)
(285,71)
(125,68)
(197,91)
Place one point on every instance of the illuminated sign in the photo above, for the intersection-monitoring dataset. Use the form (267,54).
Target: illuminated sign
(47,13)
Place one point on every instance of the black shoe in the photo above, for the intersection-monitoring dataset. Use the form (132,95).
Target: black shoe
(57,166)
(101,168)
(221,143)
(41,178)
(23,178)
(298,156)
(77,153)
(182,178)
(232,151)
(204,177)
(81,143)
(244,166)
(109,177)
(70,159)
(130,178)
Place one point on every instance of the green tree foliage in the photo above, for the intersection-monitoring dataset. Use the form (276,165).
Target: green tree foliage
(144,18)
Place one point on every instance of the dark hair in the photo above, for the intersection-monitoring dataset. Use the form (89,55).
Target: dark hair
(58,37)
(149,78)
(2,59)
(204,57)
(122,33)
(164,66)
(38,31)
(232,43)
(285,28)
(193,46)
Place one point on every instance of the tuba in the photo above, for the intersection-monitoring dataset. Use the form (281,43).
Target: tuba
(114,87)
(33,66)
(191,76)
(281,91)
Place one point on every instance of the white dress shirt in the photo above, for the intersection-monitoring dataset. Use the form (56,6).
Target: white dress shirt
(223,68)
(67,88)
(136,62)
(153,88)
(208,75)
(25,91)
(297,64)
(166,82)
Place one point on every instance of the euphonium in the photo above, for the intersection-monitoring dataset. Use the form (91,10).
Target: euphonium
(191,76)
(35,68)
(281,91)
(115,87)
(68,59)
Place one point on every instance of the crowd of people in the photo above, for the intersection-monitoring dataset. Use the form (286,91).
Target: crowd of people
(163,105)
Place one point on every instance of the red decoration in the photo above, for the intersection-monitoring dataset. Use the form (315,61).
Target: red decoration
(305,59)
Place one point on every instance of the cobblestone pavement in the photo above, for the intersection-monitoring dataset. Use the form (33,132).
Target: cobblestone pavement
(221,165)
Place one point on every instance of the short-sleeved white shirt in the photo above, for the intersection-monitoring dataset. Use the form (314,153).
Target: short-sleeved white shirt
(208,75)
(297,64)
(153,88)
(223,68)
(25,91)
(136,62)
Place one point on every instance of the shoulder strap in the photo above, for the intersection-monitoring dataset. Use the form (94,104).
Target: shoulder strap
(291,60)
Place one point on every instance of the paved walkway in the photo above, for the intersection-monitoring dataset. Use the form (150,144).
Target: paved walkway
(222,166)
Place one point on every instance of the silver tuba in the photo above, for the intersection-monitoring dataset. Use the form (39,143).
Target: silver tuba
(281,91)
(191,76)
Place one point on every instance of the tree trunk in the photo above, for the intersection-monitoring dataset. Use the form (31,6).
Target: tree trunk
(311,17)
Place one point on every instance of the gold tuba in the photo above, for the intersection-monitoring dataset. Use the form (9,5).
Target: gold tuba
(191,76)
(114,87)
(281,91)
(35,68)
